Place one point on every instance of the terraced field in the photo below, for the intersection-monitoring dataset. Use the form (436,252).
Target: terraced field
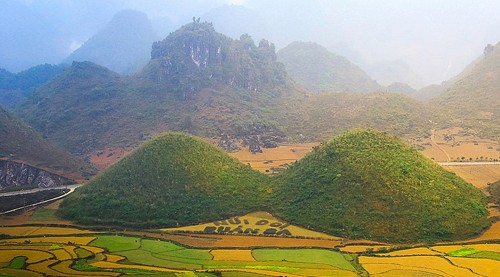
(113,255)
(60,251)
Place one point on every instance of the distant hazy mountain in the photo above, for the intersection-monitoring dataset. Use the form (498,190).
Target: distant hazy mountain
(401,88)
(473,100)
(390,72)
(15,87)
(124,45)
(319,70)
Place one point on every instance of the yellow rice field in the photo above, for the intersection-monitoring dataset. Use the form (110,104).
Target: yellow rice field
(18,231)
(44,268)
(232,255)
(485,267)
(430,264)
(61,254)
(61,240)
(114,258)
(325,272)
(412,252)
(93,249)
(256,221)
(483,247)
(34,256)
(361,248)
(71,250)
(104,264)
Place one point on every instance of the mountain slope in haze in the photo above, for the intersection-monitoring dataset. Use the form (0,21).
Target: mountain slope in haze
(202,82)
(388,72)
(318,117)
(366,184)
(15,87)
(172,180)
(76,100)
(123,45)
(198,81)
(21,143)
(319,70)
(473,101)
(431,91)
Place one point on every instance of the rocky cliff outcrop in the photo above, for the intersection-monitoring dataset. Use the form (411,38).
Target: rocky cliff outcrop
(196,56)
(18,175)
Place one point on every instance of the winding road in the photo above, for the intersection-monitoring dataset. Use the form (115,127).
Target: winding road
(70,187)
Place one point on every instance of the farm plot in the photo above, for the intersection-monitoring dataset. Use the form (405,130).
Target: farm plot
(148,254)
(256,223)
(41,259)
(421,264)
(116,255)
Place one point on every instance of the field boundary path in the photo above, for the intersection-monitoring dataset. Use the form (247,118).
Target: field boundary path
(467,163)
(71,189)
(433,141)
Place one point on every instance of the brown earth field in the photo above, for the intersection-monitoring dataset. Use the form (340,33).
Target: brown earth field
(457,144)
(103,159)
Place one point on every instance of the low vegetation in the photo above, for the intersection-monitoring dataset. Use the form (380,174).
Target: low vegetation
(20,142)
(494,190)
(172,180)
(366,184)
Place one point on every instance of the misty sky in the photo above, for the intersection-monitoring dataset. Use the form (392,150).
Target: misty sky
(437,39)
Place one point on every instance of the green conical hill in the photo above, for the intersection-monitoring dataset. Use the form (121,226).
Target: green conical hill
(366,184)
(173,179)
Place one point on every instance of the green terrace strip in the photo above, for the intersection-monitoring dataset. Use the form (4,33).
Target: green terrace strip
(18,262)
(169,255)
(463,252)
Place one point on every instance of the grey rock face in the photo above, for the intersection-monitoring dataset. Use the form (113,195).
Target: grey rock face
(18,175)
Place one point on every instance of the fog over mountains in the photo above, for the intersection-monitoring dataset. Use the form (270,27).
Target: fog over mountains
(431,40)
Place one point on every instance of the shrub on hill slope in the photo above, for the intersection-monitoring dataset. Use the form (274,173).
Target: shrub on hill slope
(366,184)
(170,180)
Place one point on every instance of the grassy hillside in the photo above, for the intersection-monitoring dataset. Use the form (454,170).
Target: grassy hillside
(321,116)
(473,101)
(73,109)
(22,143)
(316,68)
(366,184)
(172,179)
(494,190)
